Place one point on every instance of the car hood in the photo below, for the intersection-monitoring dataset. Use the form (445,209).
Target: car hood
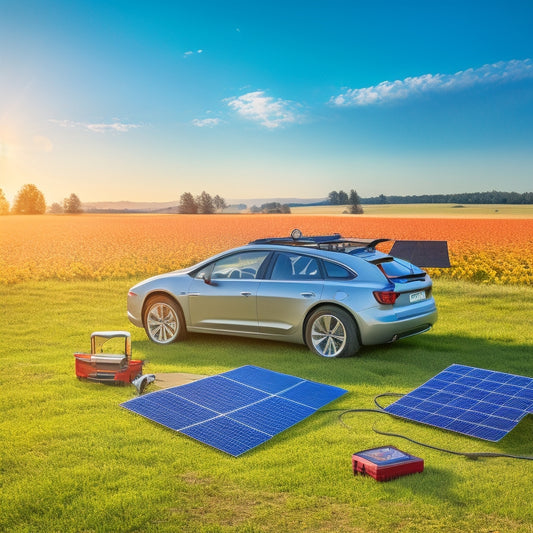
(181,271)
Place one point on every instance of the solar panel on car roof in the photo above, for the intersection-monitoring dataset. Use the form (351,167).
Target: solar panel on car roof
(473,401)
(237,410)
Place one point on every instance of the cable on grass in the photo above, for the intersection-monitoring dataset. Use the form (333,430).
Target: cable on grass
(380,410)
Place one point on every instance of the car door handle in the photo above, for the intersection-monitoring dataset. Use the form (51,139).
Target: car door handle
(246,293)
(308,294)
(194,294)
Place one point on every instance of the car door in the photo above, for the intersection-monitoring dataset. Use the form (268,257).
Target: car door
(222,296)
(293,284)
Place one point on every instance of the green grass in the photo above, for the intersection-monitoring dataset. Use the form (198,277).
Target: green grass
(72,460)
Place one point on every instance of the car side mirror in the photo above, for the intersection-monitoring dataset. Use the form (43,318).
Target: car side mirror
(206,278)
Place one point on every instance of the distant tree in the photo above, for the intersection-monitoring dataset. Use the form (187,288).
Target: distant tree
(188,205)
(355,203)
(56,209)
(220,203)
(72,205)
(29,201)
(343,198)
(4,204)
(333,198)
(254,209)
(383,199)
(205,204)
(338,198)
(275,207)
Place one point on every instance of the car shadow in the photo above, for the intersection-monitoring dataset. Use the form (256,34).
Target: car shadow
(406,359)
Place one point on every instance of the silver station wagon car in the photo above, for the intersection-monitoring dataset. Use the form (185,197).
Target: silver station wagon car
(331,293)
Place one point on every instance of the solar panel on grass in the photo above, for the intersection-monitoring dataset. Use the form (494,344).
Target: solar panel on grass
(237,410)
(473,401)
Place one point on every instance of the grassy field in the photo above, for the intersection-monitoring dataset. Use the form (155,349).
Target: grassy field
(425,210)
(73,460)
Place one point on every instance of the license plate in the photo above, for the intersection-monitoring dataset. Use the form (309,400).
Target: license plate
(417,296)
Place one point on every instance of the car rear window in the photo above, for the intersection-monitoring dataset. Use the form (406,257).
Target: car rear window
(398,269)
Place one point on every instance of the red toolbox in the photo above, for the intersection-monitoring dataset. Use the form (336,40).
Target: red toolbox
(386,463)
(108,367)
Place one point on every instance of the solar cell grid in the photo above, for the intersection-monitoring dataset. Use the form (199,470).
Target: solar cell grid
(237,410)
(474,401)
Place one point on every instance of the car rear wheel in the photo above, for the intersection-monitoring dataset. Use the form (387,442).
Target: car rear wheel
(163,320)
(332,332)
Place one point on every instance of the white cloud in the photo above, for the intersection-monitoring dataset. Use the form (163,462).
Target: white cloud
(120,127)
(115,126)
(503,71)
(192,52)
(206,122)
(266,110)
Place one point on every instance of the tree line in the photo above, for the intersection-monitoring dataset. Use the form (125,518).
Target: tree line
(342,198)
(203,204)
(489,197)
(271,208)
(30,201)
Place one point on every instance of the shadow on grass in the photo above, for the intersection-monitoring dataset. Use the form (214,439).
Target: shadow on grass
(402,364)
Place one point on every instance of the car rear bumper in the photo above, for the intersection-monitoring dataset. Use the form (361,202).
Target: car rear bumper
(386,324)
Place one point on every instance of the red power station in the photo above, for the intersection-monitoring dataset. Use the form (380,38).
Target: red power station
(386,463)
(108,367)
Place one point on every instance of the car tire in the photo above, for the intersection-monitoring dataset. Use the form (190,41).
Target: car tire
(332,332)
(163,320)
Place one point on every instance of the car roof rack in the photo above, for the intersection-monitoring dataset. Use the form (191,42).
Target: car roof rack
(335,242)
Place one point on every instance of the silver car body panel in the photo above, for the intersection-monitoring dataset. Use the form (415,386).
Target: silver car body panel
(230,305)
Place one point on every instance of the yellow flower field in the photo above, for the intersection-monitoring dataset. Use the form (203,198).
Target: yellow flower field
(126,246)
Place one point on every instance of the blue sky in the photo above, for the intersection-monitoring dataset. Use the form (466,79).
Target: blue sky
(142,101)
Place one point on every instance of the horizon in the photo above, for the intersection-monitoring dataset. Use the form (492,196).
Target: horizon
(249,202)
(135,102)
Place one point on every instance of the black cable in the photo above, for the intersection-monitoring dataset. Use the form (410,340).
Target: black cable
(381,410)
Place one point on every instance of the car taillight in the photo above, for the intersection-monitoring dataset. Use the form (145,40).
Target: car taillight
(386,297)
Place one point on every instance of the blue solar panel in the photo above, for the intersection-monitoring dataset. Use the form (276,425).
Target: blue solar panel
(237,410)
(473,401)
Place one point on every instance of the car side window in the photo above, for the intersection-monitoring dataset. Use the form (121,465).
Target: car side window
(294,267)
(244,265)
(336,271)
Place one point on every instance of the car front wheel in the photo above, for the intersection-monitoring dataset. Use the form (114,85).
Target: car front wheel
(331,332)
(163,320)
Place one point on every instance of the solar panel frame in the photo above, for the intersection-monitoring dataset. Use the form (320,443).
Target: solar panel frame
(237,410)
(473,401)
